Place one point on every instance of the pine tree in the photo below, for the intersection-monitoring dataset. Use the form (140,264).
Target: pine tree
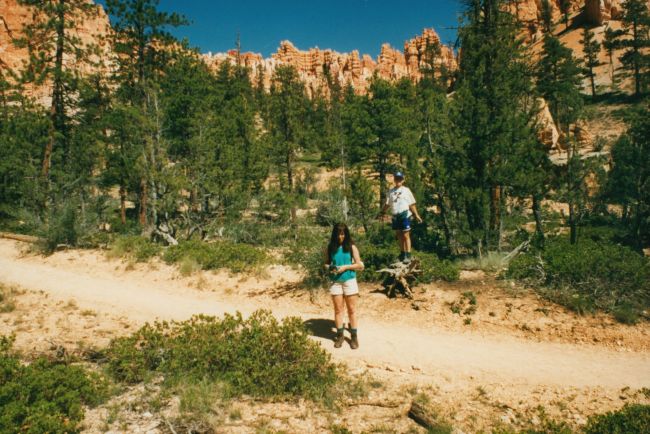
(635,40)
(610,44)
(547,16)
(286,122)
(143,44)
(493,87)
(50,39)
(558,81)
(565,8)
(629,180)
(591,49)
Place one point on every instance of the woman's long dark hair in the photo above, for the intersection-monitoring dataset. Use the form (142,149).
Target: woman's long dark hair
(334,240)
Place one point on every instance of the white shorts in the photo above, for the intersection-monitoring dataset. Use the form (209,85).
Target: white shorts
(349,287)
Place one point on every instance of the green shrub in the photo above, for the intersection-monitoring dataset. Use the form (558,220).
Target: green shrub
(258,356)
(61,230)
(133,247)
(588,275)
(633,418)
(433,268)
(213,256)
(44,396)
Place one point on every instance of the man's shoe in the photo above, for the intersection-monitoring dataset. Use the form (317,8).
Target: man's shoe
(407,258)
(338,342)
(354,342)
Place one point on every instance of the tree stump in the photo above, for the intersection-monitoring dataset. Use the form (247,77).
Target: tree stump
(399,277)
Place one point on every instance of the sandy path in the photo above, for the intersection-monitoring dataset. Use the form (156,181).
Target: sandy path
(490,359)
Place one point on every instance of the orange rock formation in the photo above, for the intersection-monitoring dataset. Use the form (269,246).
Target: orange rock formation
(347,68)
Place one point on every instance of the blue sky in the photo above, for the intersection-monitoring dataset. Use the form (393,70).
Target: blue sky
(342,25)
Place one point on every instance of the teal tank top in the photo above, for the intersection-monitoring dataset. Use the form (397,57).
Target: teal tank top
(342,258)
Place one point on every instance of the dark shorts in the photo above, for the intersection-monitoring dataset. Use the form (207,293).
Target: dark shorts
(401,222)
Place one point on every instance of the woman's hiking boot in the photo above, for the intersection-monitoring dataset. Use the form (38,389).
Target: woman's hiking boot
(338,341)
(354,342)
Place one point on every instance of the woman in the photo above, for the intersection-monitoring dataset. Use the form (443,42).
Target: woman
(342,261)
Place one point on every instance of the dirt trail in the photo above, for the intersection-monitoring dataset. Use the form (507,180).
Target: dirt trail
(429,352)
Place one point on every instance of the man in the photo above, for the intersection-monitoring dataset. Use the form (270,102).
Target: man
(402,204)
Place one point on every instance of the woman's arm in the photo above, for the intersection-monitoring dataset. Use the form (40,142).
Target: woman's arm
(326,259)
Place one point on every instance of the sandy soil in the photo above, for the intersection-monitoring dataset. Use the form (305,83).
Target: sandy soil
(516,356)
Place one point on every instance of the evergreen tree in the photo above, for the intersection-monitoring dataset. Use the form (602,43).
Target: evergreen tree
(591,49)
(635,40)
(558,81)
(629,180)
(565,8)
(286,122)
(610,44)
(49,40)
(493,88)
(391,127)
(547,16)
(143,44)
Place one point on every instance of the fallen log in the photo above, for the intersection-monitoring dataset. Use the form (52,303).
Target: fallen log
(422,417)
(19,237)
(400,277)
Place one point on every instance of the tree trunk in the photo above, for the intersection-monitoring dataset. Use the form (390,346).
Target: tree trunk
(572,223)
(57,106)
(449,236)
(383,187)
(289,162)
(537,213)
(144,191)
(495,214)
(122,204)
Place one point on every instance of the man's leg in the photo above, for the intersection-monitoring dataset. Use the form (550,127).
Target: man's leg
(400,242)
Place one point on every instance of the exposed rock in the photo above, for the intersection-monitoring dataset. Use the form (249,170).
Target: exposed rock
(92,30)
(548,133)
(351,68)
(596,12)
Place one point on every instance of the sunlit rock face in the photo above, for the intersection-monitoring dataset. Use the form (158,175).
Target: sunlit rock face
(347,68)
(91,30)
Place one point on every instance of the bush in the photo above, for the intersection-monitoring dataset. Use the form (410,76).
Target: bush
(134,247)
(588,275)
(258,356)
(44,396)
(633,418)
(433,268)
(62,229)
(213,256)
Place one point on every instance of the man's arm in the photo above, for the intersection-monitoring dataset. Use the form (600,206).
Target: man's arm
(414,210)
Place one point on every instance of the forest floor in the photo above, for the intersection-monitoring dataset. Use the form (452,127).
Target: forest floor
(513,362)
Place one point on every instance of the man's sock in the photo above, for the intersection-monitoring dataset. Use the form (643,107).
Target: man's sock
(353,332)
(402,255)
(407,255)
(339,331)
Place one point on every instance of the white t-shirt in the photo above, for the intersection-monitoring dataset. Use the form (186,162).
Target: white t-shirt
(400,199)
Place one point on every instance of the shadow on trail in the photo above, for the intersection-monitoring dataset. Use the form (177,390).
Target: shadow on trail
(321,328)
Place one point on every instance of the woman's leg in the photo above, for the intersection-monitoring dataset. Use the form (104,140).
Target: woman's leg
(339,310)
(351,302)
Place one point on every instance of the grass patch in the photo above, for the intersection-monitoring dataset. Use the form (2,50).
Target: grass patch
(588,276)
(44,396)
(134,248)
(7,299)
(491,262)
(212,256)
(258,356)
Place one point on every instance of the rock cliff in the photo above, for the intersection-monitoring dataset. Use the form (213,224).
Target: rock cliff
(347,68)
